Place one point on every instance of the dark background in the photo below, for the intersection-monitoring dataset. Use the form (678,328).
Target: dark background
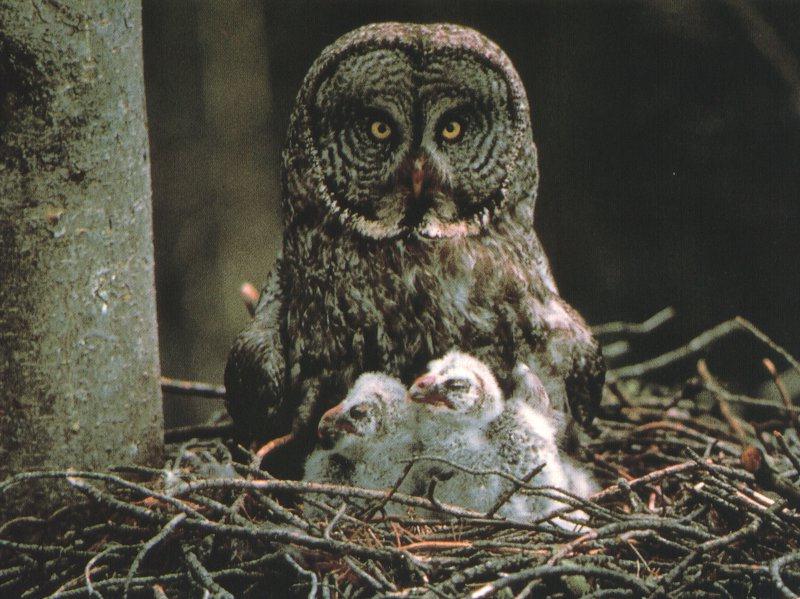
(669,140)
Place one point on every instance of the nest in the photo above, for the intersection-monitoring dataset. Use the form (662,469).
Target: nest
(701,499)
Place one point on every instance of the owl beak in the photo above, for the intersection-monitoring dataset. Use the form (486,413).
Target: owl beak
(418,177)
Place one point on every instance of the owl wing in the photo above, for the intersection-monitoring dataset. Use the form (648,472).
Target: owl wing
(571,366)
(256,370)
(580,358)
(584,383)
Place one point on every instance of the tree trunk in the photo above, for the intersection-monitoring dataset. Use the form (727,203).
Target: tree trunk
(79,372)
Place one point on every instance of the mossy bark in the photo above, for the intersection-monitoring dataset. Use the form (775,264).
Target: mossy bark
(79,372)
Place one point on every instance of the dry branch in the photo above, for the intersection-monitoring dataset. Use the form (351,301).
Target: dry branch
(193,388)
(636,328)
(698,344)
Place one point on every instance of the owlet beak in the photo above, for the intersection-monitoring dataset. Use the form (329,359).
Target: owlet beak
(327,424)
(422,386)
(424,390)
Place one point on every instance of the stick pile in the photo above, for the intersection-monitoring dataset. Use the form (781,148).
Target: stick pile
(701,499)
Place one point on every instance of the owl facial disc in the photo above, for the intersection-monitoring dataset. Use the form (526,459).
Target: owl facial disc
(414,131)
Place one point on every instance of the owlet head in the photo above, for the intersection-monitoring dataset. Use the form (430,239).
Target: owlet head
(411,130)
(371,410)
(459,384)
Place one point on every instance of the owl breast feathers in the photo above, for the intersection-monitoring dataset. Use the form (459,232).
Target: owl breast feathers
(409,183)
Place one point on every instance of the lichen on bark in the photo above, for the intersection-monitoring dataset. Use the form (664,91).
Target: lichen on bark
(79,374)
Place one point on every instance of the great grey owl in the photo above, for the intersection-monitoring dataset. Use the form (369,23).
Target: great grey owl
(409,182)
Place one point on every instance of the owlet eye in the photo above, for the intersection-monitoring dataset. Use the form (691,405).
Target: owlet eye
(451,131)
(357,412)
(380,130)
(457,385)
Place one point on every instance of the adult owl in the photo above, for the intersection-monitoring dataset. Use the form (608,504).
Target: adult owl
(409,182)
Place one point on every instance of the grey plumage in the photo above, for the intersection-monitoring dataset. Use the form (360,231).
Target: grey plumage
(409,181)
(458,399)
(526,435)
(369,434)
(465,419)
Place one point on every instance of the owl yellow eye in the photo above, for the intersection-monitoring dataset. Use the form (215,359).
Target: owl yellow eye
(380,130)
(451,131)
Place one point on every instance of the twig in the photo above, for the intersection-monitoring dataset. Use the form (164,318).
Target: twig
(793,417)
(509,493)
(615,349)
(334,521)
(636,328)
(271,446)
(203,576)
(168,529)
(371,581)
(430,493)
(747,325)
(287,536)
(688,431)
(725,541)
(794,459)
(754,461)
(644,523)
(75,479)
(312,592)
(647,479)
(87,573)
(435,545)
(195,388)
(775,568)
(382,503)
(158,592)
(471,471)
(21,520)
(697,344)
(558,570)
(724,406)
(201,431)
(45,551)
(321,488)
(755,402)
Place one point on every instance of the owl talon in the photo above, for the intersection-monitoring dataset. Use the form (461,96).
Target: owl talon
(271,446)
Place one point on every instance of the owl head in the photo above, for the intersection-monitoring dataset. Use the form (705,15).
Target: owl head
(403,130)
(373,409)
(457,385)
